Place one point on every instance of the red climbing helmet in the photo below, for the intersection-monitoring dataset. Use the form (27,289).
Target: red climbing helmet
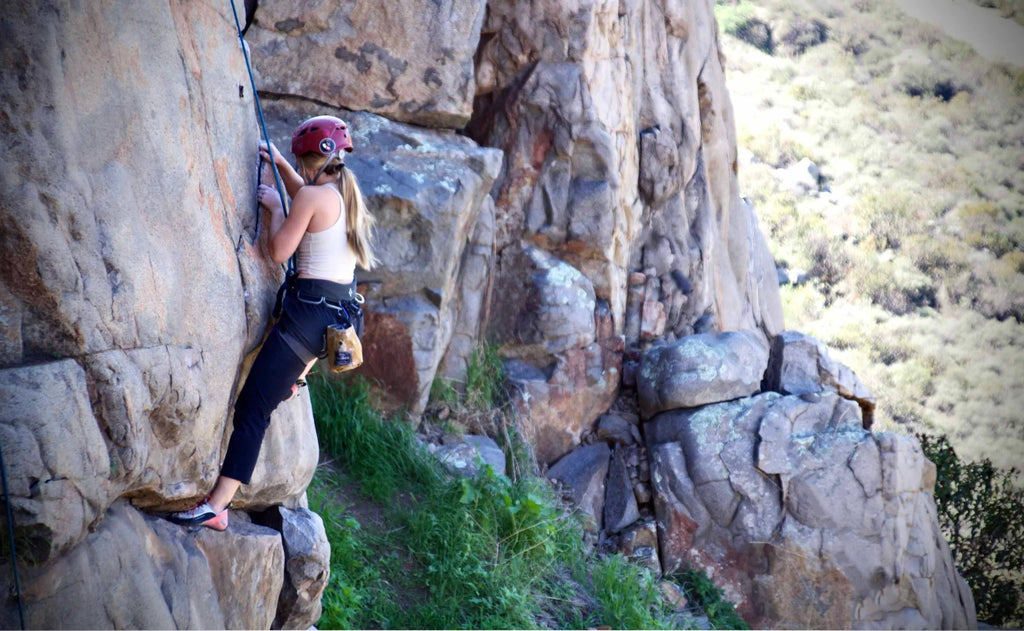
(321,134)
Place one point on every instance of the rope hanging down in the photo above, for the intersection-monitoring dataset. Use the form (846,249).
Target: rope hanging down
(263,122)
(10,533)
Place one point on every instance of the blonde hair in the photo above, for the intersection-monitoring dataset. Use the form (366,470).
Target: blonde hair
(359,222)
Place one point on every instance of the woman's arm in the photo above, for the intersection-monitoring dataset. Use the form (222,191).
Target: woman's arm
(292,180)
(285,233)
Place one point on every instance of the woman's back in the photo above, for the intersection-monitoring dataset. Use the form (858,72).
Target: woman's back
(325,252)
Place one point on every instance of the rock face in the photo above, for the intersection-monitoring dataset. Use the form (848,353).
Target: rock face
(410,61)
(133,287)
(617,158)
(805,518)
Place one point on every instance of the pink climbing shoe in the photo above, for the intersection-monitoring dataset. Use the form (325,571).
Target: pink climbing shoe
(201,515)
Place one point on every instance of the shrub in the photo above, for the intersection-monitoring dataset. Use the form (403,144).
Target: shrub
(737,19)
(932,80)
(889,216)
(801,34)
(830,260)
(980,510)
(892,283)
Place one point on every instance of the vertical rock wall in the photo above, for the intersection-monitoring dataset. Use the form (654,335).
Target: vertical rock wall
(618,164)
(132,288)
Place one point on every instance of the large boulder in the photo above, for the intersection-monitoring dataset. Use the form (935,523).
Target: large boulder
(559,402)
(546,307)
(800,364)
(701,369)
(620,508)
(410,61)
(141,572)
(307,565)
(803,517)
(582,473)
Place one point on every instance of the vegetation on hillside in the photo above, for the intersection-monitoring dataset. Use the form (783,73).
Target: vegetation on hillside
(911,233)
(437,551)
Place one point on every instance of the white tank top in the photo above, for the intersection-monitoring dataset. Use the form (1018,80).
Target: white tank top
(326,254)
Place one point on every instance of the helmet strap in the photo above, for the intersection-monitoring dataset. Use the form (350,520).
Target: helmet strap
(322,168)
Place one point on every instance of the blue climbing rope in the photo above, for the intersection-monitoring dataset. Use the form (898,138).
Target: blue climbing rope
(10,533)
(263,122)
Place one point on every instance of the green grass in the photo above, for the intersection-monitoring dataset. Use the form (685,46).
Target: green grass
(486,552)
(357,594)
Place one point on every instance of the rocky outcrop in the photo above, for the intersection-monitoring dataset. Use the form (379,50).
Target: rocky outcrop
(801,365)
(411,61)
(804,517)
(133,287)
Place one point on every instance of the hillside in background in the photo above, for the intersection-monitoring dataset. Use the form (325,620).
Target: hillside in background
(886,163)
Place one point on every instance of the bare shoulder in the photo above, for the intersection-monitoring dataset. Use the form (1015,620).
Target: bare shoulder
(316,197)
(316,193)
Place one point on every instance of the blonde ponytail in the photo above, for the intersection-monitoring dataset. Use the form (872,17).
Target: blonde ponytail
(358,220)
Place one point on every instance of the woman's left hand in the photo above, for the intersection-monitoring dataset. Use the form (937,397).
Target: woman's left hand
(269,198)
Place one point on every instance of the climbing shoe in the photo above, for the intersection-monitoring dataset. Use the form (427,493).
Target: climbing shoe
(298,385)
(201,515)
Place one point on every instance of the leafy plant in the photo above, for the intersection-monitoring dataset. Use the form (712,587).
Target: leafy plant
(484,378)
(980,510)
(711,598)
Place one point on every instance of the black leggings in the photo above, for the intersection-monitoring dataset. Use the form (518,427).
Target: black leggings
(278,365)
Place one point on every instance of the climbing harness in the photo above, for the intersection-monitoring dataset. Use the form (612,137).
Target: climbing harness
(263,122)
(10,533)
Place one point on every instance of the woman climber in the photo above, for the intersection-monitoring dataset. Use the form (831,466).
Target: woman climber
(328,229)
